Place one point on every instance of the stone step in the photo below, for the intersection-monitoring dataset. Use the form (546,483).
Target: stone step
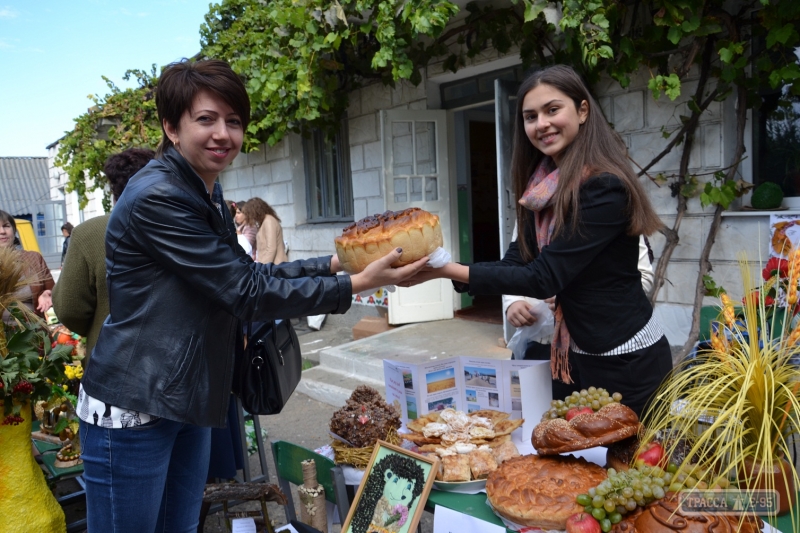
(333,387)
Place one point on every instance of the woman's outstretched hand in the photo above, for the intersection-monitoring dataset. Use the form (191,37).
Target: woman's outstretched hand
(380,273)
(452,271)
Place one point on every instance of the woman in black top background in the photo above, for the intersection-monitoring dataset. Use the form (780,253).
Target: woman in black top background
(582,205)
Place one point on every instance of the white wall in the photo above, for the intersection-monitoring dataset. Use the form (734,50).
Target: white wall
(58,180)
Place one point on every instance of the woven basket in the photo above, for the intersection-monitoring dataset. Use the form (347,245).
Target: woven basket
(345,454)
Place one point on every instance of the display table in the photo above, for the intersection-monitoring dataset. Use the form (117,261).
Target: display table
(475,506)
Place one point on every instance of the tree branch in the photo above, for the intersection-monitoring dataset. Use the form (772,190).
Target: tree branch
(705,265)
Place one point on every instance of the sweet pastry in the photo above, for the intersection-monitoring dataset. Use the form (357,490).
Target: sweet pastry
(481,464)
(665,516)
(611,423)
(507,450)
(536,491)
(416,231)
(456,468)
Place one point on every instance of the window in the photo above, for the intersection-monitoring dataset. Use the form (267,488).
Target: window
(776,138)
(329,188)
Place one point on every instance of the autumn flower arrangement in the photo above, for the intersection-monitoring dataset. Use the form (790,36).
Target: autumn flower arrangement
(735,407)
(29,364)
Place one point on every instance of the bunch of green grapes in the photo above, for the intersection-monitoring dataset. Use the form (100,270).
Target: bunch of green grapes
(694,476)
(592,397)
(623,492)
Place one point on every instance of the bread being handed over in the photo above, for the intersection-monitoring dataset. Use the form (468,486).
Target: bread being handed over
(416,231)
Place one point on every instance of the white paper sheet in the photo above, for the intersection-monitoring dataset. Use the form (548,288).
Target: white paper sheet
(537,391)
(448,521)
(244,525)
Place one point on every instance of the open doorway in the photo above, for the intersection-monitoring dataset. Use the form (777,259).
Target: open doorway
(479,230)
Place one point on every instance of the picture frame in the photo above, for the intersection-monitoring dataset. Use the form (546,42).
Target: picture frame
(393,475)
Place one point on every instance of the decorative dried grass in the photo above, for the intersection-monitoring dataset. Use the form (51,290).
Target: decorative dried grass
(737,400)
(359,457)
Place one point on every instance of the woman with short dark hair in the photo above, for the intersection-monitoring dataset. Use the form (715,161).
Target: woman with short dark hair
(179,285)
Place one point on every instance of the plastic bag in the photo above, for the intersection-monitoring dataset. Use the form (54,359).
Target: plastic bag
(315,321)
(543,327)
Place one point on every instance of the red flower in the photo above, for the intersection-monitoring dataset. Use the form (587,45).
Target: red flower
(774,263)
(753,296)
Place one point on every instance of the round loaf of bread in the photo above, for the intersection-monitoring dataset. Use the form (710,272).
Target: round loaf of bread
(416,231)
(612,423)
(536,491)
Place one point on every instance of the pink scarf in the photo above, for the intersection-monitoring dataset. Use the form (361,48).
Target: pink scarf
(538,197)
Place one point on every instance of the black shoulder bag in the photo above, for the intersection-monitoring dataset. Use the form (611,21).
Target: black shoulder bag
(268,369)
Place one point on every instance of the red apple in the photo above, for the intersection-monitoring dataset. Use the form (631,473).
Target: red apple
(653,455)
(583,523)
(575,411)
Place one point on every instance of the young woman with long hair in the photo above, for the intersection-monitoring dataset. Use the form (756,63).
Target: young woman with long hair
(581,211)
(269,246)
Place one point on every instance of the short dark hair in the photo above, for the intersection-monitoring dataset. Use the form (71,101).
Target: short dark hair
(67,226)
(120,167)
(6,217)
(180,83)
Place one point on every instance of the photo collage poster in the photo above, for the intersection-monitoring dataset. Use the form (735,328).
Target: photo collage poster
(463,383)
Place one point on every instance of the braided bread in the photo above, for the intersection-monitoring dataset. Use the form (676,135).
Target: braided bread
(612,423)
(416,231)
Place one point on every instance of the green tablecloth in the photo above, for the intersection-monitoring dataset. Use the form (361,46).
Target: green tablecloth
(475,505)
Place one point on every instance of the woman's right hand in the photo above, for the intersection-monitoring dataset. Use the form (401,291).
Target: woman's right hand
(380,273)
(519,314)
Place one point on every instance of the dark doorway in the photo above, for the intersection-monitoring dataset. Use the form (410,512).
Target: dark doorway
(482,152)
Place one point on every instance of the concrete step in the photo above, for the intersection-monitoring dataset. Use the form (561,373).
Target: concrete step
(333,387)
(344,367)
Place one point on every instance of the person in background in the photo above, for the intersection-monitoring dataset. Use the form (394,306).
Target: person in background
(161,372)
(66,231)
(578,195)
(270,247)
(36,295)
(242,228)
(243,242)
(80,298)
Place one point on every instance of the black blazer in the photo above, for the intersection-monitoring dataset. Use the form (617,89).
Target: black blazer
(178,284)
(593,271)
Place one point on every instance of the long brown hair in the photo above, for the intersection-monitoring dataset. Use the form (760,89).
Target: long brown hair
(595,149)
(255,210)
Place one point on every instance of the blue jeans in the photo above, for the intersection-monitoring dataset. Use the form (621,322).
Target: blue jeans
(145,479)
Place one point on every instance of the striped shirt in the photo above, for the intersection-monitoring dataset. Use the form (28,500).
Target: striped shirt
(650,334)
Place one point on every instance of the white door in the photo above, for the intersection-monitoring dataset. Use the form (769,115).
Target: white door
(505,100)
(415,166)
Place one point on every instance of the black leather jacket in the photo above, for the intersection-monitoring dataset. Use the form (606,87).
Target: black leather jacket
(178,285)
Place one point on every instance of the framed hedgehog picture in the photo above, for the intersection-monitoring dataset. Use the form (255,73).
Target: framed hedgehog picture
(393,493)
